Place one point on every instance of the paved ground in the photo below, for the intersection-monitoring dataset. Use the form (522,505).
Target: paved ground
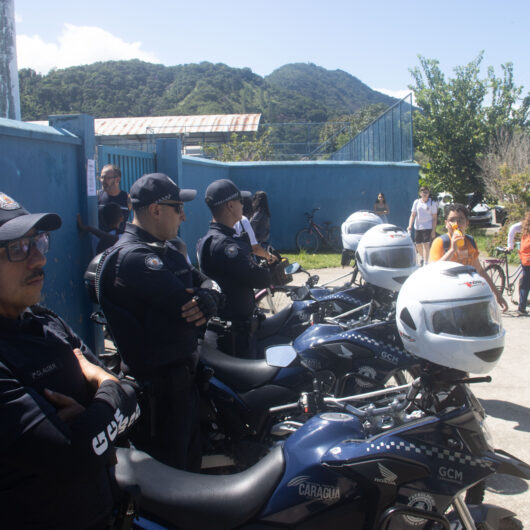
(507,403)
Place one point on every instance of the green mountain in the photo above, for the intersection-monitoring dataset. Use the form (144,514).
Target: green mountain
(294,92)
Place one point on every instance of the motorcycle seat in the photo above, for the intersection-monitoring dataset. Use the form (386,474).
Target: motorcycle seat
(270,326)
(190,500)
(239,374)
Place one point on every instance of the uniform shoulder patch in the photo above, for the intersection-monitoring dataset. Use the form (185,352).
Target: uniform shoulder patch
(153,262)
(7,203)
(231,251)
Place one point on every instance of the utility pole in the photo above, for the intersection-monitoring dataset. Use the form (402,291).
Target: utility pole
(9,91)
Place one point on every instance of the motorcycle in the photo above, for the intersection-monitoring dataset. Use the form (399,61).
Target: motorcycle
(274,298)
(402,462)
(330,357)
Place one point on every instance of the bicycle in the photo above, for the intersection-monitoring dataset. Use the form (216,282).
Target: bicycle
(501,279)
(313,235)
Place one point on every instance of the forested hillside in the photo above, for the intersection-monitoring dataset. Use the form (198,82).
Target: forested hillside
(294,92)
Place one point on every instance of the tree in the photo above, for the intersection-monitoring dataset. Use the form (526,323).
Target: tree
(454,125)
(243,149)
(506,170)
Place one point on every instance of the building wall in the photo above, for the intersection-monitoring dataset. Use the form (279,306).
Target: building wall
(40,168)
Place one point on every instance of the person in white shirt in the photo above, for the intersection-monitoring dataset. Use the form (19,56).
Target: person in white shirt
(245,226)
(424,216)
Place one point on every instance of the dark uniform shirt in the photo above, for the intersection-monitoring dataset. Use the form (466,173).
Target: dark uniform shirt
(143,289)
(54,474)
(121,200)
(227,259)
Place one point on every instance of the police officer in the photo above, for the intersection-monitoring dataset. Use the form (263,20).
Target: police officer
(155,307)
(60,412)
(227,259)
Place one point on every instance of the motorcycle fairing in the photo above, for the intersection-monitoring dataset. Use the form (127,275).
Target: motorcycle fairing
(308,487)
(508,464)
(289,322)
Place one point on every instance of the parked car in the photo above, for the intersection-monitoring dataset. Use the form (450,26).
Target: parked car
(480,214)
(443,199)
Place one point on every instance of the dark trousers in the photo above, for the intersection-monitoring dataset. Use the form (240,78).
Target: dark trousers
(239,343)
(169,426)
(524,287)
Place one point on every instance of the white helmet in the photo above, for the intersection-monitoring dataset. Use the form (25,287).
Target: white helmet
(355,226)
(386,256)
(447,314)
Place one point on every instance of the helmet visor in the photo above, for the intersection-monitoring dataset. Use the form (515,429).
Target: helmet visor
(478,319)
(359,227)
(392,257)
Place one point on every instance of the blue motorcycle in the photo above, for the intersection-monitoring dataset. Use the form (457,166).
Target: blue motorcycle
(326,357)
(403,462)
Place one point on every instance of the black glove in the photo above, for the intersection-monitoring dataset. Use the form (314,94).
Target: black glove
(208,301)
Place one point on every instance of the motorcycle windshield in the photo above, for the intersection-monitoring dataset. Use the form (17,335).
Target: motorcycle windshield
(392,258)
(479,319)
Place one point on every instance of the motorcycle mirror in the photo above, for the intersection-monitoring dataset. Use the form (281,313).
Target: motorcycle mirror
(280,356)
(292,268)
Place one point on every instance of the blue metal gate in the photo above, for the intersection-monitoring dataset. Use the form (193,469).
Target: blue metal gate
(133,164)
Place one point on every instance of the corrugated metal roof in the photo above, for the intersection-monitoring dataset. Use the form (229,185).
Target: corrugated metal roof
(207,123)
(177,124)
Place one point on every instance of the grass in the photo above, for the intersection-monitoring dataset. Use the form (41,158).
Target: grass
(321,260)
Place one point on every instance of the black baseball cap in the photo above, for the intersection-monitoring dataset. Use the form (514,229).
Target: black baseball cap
(223,190)
(155,188)
(16,221)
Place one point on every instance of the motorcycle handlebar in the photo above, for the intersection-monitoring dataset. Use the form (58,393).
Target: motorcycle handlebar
(342,402)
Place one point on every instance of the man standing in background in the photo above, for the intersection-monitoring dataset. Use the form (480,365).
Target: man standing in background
(111,192)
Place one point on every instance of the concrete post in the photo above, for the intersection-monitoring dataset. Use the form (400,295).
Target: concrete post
(9,91)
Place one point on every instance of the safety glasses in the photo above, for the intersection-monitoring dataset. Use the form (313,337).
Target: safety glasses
(178,206)
(19,249)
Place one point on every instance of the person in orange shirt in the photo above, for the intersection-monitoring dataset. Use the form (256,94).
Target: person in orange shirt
(460,247)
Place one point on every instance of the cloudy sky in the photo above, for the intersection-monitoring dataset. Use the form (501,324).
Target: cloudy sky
(376,41)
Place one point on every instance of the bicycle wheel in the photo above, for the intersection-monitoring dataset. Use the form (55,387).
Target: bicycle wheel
(497,276)
(274,300)
(307,240)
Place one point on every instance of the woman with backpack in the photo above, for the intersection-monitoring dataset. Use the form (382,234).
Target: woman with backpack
(460,247)
(424,216)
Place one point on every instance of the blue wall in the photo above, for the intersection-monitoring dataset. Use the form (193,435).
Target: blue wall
(338,188)
(44,168)
(40,168)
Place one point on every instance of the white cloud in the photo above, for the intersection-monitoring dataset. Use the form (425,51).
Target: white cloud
(18,18)
(76,45)
(399,94)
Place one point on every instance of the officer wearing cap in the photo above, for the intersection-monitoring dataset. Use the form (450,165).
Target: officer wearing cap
(155,304)
(227,258)
(59,411)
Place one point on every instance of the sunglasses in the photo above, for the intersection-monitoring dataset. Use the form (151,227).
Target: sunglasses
(178,206)
(19,249)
